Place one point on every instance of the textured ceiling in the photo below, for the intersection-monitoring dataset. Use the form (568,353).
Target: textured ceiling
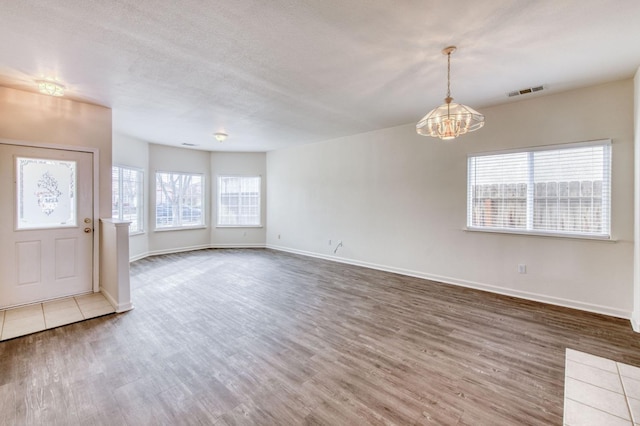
(284,72)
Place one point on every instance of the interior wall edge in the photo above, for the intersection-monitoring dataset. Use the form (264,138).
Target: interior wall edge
(536,297)
(636,202)
(635,321)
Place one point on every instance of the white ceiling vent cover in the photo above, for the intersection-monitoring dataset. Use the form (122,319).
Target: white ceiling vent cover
(525,91)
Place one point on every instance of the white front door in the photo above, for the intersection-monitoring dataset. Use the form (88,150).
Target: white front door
(46,224)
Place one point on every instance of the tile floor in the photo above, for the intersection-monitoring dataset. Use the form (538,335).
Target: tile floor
(42,316)
(599,391)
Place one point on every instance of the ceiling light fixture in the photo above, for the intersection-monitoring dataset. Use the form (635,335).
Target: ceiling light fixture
(221,137)
(49,87)
(449,120)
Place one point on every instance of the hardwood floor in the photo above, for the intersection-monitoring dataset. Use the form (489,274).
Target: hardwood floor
(258,336)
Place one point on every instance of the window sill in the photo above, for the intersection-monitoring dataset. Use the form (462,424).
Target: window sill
(606,239)
(239,226)
(180,228)
(133,234)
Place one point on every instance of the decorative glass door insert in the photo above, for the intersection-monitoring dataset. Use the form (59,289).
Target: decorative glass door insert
(45,193)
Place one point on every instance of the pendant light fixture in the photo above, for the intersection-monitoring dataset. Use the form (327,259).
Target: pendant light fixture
(220,136)
(50,87)
(449,120)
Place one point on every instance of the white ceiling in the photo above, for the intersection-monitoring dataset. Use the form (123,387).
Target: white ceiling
(277,73)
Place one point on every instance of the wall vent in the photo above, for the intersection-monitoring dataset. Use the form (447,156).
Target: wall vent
(525,91)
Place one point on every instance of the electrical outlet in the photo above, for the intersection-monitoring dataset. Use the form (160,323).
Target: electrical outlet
(522,268)
(278,236)
(329,242)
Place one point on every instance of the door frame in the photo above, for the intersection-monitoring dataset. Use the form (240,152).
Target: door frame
(96,194)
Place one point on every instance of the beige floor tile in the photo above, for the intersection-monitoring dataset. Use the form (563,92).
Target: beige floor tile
(59,305)
(592,360)
(89,298)
(33,318)
(94,305)
(30,311)
(596,397)
(629,371)
(634,407)
(22,326)
(97,311)
(631,387)
(593,375)
(63,316)
(577,414)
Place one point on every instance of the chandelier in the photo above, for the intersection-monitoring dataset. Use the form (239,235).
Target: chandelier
(449,120)
(50,87)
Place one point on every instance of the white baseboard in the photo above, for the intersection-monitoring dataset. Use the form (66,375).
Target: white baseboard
(178,250)
(589,307)
(192,248)
(119,307)
(138,257)
(221,246)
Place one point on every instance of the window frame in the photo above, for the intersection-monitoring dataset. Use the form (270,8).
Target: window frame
(139,196)
(180,227)
(606,235)
(218,201)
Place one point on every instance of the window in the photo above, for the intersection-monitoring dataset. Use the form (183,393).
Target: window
(239,200)
(552,190)
(179,200)
(126,197)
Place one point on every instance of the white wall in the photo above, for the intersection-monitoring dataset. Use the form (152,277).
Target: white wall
(132,152)
(397,201)
(128,151)
(238,164)
(33,117)
(170,159)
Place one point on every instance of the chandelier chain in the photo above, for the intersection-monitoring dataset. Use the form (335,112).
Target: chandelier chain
(449,75)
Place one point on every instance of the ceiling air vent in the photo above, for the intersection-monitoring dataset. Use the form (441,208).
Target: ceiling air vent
(188,144)
(525,91)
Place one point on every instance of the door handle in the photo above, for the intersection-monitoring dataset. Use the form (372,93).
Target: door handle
(87,230)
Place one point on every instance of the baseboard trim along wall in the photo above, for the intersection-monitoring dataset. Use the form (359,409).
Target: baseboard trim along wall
(598,309)
(193,248)
(119,307)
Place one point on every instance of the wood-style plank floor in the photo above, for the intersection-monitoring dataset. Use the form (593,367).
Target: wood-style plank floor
(258,336)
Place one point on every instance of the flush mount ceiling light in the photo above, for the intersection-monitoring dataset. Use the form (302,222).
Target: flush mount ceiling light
(449,120)
(221,137)
(50,87)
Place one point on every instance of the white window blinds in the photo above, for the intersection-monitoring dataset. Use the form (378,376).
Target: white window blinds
(239,200)
(126,197)
(558,190)
(179,200)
